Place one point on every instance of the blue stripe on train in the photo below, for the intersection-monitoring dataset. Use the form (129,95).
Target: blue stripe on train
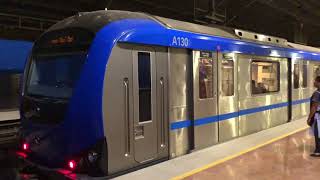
(222,117)
(300,101)
(180,124)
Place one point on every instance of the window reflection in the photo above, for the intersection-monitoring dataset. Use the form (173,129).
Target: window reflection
(55,75)
(205,75)
(296,76)
(227,77)
(305,76)
(264,77)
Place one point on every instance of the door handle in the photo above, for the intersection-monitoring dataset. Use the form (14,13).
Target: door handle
(162,120)
(126,116)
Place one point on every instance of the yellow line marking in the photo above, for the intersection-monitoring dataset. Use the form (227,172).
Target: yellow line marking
(235,155)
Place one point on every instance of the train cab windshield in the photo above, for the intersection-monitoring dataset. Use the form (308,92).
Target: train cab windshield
(52,74)
(55,75)
(56,63)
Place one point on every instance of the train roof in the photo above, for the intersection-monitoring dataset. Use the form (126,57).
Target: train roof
(303,47)
(97,20)
(197,28)
(223,31)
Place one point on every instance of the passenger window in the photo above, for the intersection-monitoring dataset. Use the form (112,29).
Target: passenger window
(305,76)
(144,78)
(205,75)
(265,77)
(296,75)
(227,77)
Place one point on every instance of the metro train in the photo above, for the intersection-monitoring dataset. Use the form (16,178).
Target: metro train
(108,92)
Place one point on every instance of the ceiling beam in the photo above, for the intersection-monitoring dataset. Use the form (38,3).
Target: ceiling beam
(291,12)
(164,7)
(242,10)
(307,6)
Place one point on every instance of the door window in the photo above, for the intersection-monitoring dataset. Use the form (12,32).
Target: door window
(316,71)
(227,78)
(144,78)
(296,75)
(304,75)
(205,75)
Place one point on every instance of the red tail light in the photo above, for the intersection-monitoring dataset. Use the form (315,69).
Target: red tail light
(72,164)
(25,146)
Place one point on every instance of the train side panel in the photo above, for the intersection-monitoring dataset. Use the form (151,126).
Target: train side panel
(250,112)
(180,105)
(228,96)
(258,119)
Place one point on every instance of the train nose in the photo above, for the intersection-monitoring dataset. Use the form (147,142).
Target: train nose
(47,146)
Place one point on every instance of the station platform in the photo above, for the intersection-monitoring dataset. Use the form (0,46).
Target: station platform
(9,115)
(278,153)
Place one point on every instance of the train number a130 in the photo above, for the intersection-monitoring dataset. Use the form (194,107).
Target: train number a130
(180,41)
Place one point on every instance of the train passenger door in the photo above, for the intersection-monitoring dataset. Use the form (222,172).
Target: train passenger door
(135,106)
(149,104)
(296,92)
(228,96)
(205,117)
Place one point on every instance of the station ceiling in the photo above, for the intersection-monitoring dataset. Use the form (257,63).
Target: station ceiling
(295,20)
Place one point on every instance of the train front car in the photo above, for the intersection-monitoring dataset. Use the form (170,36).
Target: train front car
(53,134)
(61,109)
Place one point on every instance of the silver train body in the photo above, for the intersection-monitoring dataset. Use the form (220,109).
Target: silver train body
(175,98)
(173,102)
